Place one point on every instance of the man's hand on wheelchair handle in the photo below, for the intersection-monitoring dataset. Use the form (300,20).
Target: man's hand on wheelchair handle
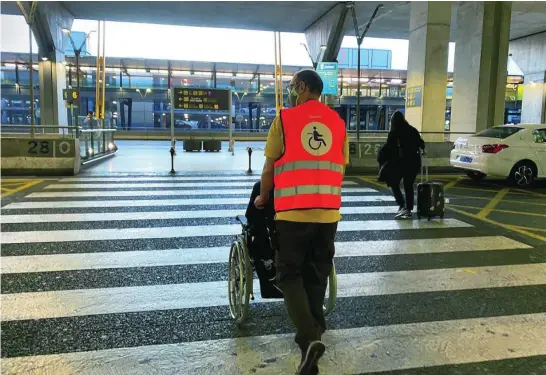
(260,202)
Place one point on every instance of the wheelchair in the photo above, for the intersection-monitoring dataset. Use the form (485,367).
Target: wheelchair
(241,269)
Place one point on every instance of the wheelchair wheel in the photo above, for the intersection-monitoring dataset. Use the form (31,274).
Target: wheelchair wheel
(332,291)
(239,281)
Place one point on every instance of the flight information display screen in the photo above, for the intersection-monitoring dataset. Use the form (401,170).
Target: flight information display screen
(207,99)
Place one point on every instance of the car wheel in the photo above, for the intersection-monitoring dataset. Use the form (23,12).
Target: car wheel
(476,176)
(523,174)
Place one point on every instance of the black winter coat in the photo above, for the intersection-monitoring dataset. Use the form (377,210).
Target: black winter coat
(401,153)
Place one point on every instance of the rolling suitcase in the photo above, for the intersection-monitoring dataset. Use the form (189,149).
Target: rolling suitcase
(430,197)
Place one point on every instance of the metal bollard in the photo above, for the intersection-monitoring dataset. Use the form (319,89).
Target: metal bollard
(172,152)
(249,149)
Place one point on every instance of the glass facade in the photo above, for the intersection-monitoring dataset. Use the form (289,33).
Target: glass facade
(137,98)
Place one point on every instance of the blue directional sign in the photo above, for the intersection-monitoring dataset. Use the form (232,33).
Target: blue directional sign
(328,71)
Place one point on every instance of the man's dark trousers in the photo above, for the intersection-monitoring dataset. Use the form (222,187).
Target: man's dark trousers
(304,262)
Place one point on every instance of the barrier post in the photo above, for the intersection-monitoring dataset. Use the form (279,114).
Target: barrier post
(249,149)
(172,159)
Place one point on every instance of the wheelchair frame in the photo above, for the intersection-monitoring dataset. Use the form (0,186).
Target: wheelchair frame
(241,277)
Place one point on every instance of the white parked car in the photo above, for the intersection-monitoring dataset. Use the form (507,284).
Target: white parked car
(517,152)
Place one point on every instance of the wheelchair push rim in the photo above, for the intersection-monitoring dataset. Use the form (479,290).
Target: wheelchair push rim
(239,281)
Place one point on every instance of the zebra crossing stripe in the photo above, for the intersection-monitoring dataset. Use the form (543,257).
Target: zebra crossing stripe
(165,215)
(207,255)
(79,302)
(163,185)
(205,231)
(165,202)
(177,178)
(144,193)
(380,349)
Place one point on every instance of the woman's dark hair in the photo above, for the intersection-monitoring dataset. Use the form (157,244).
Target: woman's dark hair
(398,121)
(312,80)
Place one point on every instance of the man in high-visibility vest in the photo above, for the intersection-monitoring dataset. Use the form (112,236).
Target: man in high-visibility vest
(306,152)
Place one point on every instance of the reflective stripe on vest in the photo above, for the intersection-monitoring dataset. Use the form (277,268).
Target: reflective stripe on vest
(307,189)
(297,165)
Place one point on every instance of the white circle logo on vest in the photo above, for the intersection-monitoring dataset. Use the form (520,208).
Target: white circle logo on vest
(316,138)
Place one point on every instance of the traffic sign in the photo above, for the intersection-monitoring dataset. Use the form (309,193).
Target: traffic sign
(205,99)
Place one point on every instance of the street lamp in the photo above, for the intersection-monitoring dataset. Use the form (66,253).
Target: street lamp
(77,53)
(319,55)
(145,93)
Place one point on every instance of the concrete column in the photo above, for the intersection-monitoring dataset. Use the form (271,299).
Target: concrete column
(427,66)
(530,55)
(533,108)
(49,20)
(328,30)
(481,53)
(52,82)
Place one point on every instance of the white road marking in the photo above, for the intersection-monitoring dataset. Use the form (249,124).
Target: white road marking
(164,215)
(79,302)
(142,193)
(161,185)
(205,231)
(393,347)
(165,202)
(207,255)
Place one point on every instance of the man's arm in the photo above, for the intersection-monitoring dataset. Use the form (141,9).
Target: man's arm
(273,150)
(267,178)
(346,155)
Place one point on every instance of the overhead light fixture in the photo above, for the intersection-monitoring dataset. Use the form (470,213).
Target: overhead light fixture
(65,30)
(323,47)
(396,81)
(186,73)
(44,58)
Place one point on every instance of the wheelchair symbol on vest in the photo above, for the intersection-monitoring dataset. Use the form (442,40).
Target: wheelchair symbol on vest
(316,140)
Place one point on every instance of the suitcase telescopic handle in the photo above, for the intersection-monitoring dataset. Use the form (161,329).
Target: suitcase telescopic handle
(424,168)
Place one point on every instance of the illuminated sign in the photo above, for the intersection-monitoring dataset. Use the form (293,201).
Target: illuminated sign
(205,99)
(328,72)
(71,95)
(414,96)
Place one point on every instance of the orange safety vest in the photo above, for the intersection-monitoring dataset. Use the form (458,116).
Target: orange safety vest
(310,172)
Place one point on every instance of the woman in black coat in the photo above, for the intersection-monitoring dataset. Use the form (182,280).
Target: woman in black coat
(403,154)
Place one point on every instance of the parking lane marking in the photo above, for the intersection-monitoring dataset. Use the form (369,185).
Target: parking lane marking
(493,203)
(505,226)
(7,188)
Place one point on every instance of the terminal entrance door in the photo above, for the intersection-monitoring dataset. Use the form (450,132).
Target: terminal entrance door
(254,114)
(125,113)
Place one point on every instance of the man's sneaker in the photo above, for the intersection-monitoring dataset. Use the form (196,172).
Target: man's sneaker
(406,215)
(400,212)
(309,363)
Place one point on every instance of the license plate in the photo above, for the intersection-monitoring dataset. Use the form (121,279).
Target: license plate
(465,159)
